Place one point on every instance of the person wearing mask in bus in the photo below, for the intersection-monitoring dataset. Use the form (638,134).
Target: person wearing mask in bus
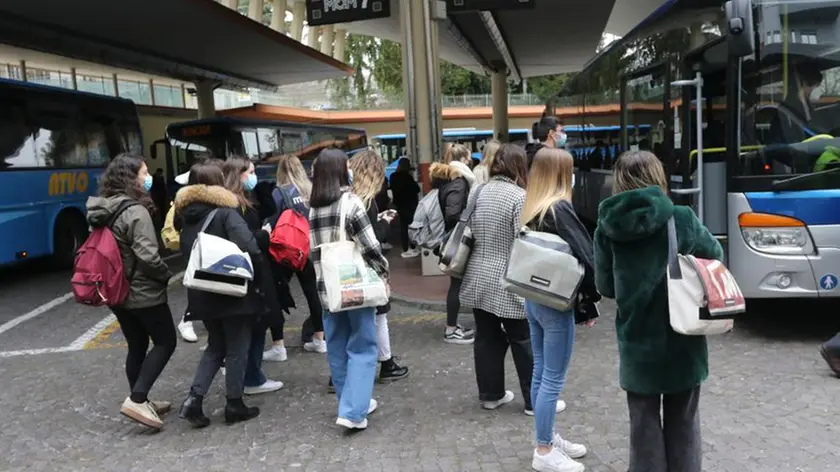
(549,133)
(794,119)
(482,170)
(351,334)
(241,180)
(454,181)
(229,320)
(293,185)
(548,208)
(145,313)
(500,320)
(406,198)
(660,369)
(366,170)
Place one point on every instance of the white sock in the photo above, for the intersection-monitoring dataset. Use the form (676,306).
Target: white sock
(383,338)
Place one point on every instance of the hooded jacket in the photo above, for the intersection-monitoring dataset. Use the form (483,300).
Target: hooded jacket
(453,191)
(631,255)
(194,204)
(405,189)
(135,233)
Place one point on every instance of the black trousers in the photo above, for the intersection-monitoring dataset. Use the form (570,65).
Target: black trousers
(228,341)
(490,348)
(143,366)
(668,441)
(453,301)
(315,322)
(406,214)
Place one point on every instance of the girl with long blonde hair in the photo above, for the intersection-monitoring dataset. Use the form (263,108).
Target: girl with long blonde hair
(482,171)
(368,172)
(294,186)
(548,208)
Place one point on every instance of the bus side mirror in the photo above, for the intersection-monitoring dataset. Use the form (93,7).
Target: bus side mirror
(740,28)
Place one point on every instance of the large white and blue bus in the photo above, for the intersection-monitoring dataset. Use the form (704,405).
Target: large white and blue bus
(743,103)
(54,144)
(262,141)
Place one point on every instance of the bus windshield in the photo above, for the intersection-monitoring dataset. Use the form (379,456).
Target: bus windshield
(791,98)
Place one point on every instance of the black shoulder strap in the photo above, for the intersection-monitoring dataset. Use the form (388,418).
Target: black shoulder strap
(467,214)
(673,247)
(123,206)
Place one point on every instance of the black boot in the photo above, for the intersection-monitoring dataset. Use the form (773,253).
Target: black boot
(236,411)
(831,353)
(193,412)
(391,371)
(330,387)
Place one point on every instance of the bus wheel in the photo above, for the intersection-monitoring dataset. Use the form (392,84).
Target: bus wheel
(69,235)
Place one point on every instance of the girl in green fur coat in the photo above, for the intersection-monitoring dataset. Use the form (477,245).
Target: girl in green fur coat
(659,368)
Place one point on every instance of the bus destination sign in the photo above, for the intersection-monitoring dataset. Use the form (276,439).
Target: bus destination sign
(455,6)
(330,12)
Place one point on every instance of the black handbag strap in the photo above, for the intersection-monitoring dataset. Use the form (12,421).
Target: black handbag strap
(673,260)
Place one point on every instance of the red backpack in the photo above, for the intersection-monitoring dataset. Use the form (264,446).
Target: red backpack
(99,277)
(289,244)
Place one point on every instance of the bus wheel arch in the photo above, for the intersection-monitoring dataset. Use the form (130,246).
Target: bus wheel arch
(69,233)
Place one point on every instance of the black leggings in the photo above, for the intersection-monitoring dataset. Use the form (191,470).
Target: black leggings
(142,366)
(309,284)
(453,301)
(406,217)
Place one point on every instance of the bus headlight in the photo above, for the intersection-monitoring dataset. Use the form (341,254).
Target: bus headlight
(775,234)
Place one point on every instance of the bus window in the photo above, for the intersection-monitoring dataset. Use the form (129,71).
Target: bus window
(59,142)
(17,146)
(268,145)
(250,148)
(291,142)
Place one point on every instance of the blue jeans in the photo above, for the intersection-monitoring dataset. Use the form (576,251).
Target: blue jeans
(552,337)
(351,352)
(254,376)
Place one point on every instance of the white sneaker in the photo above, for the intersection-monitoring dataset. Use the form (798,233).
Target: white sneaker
(387,246)
(266,387)
(143,413)
(276,354)
(561,406)
(316,345)
(509,396)
(187,331)
(555,461)
(373,406)
(575,451)
(410,254)
(352,424)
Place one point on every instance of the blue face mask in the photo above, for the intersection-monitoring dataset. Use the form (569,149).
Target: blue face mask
(147,183)
(560,140)
(250,182)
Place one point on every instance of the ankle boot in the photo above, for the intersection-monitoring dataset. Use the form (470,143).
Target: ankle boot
(236,411)
(391,371)
(192,411)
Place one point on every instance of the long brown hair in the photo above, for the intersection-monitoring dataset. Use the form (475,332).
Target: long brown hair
(549,181)
(368,175)
(120,178)
(511,162)
(290,171)
(233,168)
(638,169)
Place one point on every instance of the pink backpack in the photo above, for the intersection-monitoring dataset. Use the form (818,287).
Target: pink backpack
(99,277)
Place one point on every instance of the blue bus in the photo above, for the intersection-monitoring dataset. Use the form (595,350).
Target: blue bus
(262,141)
(393,146)
(743,110)
(55,144)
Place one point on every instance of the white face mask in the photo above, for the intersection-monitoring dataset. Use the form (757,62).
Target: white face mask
(816,94)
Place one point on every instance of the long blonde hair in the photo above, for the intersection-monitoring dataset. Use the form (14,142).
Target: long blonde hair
(489,152)
(638,169)
(549,182)
(368,175)
(291,171)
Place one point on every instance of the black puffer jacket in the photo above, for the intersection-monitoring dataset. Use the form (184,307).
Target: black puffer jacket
(194,204)
(454,190)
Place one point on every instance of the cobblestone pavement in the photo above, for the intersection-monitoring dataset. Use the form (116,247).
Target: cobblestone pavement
(770,405)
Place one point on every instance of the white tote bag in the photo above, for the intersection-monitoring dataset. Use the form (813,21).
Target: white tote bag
(703,296)
(217,265)
(349,281)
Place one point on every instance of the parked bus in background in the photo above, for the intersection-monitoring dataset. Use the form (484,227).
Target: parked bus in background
(262,141)
(54,144)
(746,121)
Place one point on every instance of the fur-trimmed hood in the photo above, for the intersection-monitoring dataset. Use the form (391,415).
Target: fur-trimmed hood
(212,195)
(451,171)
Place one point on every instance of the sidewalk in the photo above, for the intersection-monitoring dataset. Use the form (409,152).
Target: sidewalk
(408,285)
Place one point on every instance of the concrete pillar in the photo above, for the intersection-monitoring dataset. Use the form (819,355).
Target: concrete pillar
(327,35)
(314,33)
(184,96)
(278,16)
(421,79)
(340,44)
(499,88)
(74,79)
(255,10)
(205,99)
(298,15)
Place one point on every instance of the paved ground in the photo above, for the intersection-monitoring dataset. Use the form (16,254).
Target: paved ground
(770,404)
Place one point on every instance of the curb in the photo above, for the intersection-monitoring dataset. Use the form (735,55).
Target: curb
(428,305)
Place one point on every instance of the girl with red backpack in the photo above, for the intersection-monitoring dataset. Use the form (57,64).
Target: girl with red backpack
(123,205)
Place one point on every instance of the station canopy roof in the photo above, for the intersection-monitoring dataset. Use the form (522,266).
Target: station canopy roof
(185,39)
(555,36)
